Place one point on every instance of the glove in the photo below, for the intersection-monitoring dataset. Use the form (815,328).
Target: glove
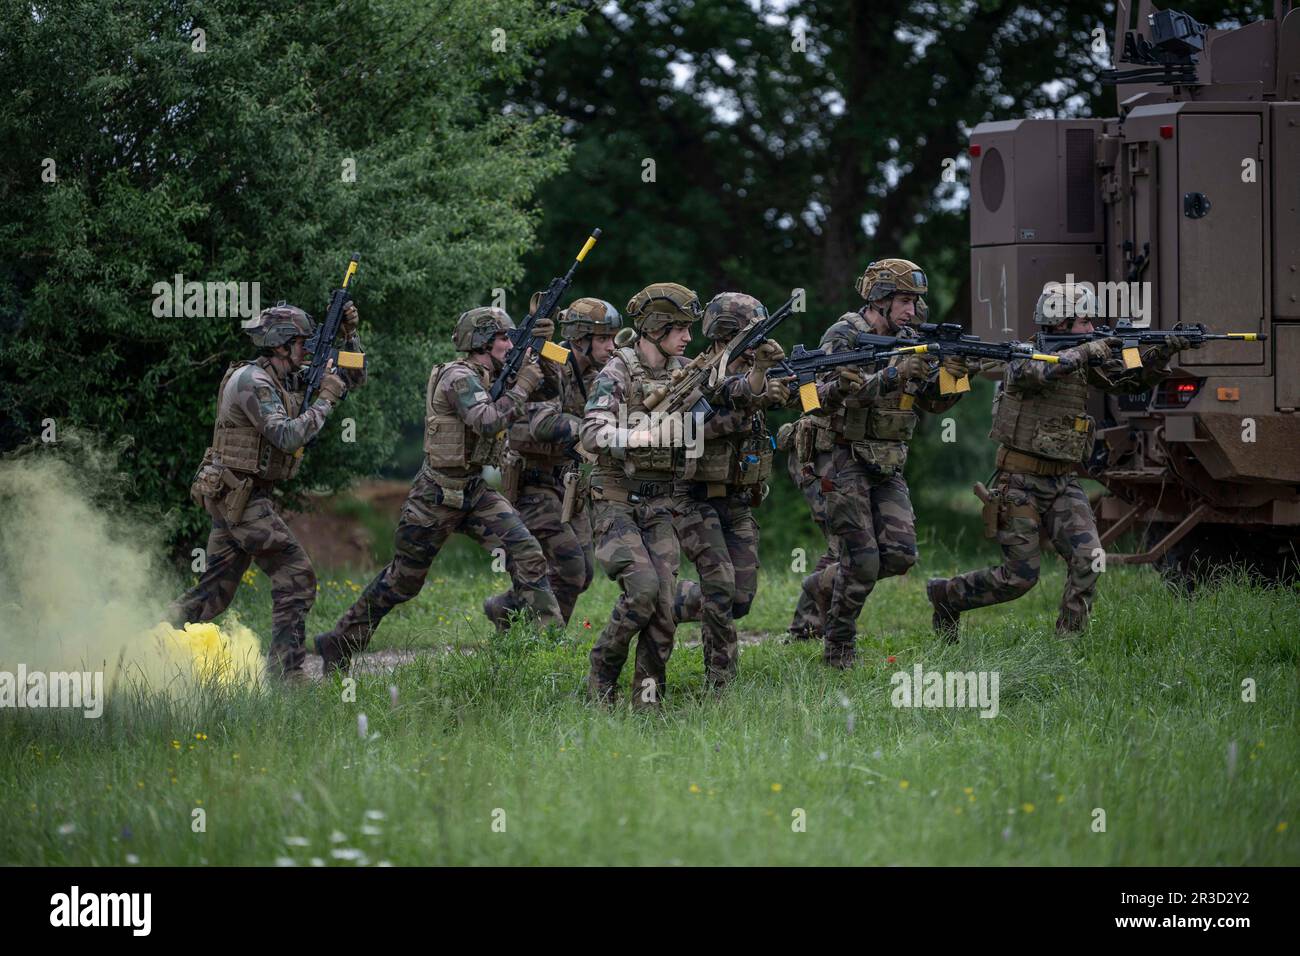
(1069,361)
(955,365)
(767,355)
(1099,349)
(1176,343)
(778,393)
(333,387)
(544,328)
(849,380)
(528,378)
(911,367)
(350,320)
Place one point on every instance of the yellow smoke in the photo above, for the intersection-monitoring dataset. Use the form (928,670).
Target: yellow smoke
(81,589)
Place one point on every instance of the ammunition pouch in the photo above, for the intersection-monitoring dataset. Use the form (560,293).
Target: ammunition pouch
(754,462)
(883,458)
(1052,425)
(450,491)
(236,498)
(207,482)
(569,503)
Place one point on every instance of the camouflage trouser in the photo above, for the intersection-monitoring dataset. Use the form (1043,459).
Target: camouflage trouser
(636,546)
(870,519)
(569,567)
(580,526)
(721,537)
(424,527)
(815,595)
(1066,520)
(263,537)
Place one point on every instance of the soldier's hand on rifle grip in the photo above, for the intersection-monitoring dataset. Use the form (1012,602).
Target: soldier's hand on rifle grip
(528,378)
(350,321)
(848,380)
(777,393)
(333,387)
(544,328)
(956,366)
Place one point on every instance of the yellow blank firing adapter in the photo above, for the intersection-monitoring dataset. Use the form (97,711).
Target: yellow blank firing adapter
(352,269)
(591,241)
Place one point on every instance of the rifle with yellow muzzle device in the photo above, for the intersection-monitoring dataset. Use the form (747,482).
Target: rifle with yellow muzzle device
(321,344)
(1131,338)
(542,307)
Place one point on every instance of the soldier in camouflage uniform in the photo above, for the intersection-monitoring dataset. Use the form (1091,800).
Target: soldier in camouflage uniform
(257,441)
(852,451)
(1044,433)
(713,514)
(809,620)
(632,490)
(540,452)
(464,430)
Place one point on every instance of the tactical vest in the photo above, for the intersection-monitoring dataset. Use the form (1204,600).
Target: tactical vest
(450,444)
(648,464)
(738,460)
(1051,424)
(242,448)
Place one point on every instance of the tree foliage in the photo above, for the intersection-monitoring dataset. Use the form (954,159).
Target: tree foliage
(226,163)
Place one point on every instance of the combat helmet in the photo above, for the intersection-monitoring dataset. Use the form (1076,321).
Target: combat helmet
(729,312)
(885,277)
(1085,303)
(279,325)
(477,328)
(588,316)
(662,304)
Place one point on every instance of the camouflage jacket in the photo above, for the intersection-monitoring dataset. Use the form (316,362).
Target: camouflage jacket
(843,335)
(464,428)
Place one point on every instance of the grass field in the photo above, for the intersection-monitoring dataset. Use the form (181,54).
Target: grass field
(490,755)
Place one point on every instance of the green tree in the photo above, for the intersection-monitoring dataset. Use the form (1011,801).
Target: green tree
(217,141)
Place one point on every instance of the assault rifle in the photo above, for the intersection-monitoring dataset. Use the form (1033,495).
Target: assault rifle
(321,343)
(1130,338)
(804,365)
(691,386)
(523,337)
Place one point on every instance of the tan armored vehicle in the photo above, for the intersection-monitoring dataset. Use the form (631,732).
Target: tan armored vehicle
(1184,209)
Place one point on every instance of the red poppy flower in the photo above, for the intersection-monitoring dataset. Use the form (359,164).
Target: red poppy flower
(891,658)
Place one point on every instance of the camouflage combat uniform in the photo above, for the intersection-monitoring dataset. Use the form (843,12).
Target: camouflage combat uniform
(536,457)
(464,430)
(259,437)
(851,457)
(632,490)
(1044,433)
(714,500)
(809,620)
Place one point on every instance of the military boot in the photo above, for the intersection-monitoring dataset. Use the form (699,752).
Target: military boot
(333,655)
(839,654)
(600,691)
(945,615)
(497,610)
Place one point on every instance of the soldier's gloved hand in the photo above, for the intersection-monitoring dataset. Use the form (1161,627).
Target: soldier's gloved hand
(1069,361)
(350,320)
(849,380)
(1099,349)
(911,368)
(778,393)
(767,355)
(544,328)
(1175,344)
(333,387)
(528,377)
(955,365)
